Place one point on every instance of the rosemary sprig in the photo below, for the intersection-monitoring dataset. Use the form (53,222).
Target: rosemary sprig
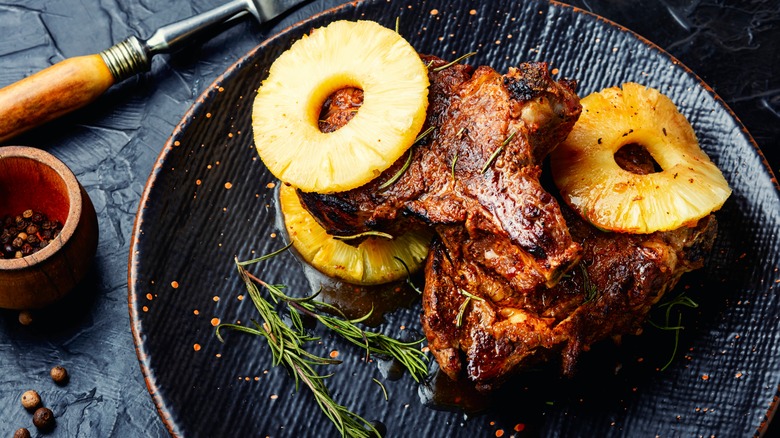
(463,305)
(680,300)
(498,151)
(457,60)
(286,345)
(401,171)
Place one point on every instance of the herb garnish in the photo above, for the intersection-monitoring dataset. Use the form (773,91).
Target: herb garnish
(457,60)
(408,275)
(588,286)
(452,166)
(681,300)
(287,344)
(401,171)
(463,305)
(498,151)
(369,233)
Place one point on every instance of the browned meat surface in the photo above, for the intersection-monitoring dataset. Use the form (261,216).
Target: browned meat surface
(477,171)
(497,331)
(494,301)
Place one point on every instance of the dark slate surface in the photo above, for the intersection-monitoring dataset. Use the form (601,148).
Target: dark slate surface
(113,144)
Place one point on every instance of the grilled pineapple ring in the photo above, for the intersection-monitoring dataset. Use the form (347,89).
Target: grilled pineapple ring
(688,188)
(373,261)
(360,54)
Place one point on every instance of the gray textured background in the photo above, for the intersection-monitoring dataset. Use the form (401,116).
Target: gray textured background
(113,144)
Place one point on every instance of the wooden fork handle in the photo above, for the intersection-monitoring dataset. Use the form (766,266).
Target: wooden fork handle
(50,93)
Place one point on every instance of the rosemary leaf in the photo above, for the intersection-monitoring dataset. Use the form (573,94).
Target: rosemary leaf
(384,390)
(401,171)
(451,63)
(408,275)
(464,305)
(498,151)
(365,234)
(588,286)
(452,166)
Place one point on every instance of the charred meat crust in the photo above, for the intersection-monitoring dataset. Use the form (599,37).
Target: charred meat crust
(619,279)
(479,169)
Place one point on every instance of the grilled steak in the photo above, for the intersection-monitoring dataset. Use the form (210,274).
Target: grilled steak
(494,300)
(478,170)
(496,330)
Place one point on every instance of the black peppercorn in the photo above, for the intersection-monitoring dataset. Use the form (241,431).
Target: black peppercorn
(31,400)
(43,419)
(59,374)
(22,433)
(17,242)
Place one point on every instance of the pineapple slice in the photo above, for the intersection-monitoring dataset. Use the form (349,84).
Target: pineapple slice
(344,54)
(371,262)
(688,188)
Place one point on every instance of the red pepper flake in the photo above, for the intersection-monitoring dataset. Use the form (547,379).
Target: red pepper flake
(334,354)
(214,322)
(434,12)
(519,427)
(555,71)
(216,298)
(145,309)
(228,185)
(473,12)
(196,347)
(500,432)
(175,284)
(705,377)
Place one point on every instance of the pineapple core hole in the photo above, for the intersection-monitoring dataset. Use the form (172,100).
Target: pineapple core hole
(339,108)
(635,158)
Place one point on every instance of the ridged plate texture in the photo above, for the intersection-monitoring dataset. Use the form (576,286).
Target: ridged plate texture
(209,199)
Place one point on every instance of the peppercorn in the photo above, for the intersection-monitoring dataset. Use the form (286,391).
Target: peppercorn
(59,374)
(43,419)
(22,433)
(31,400)
(25,317)
(30,227)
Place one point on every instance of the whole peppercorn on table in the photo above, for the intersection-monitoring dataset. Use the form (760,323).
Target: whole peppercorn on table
(112,146)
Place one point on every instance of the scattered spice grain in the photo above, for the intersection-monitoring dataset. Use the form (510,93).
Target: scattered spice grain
(22,433)
(31,400)
(43,419)
(59,374)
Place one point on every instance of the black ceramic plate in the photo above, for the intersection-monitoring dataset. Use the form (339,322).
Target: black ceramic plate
(208,200)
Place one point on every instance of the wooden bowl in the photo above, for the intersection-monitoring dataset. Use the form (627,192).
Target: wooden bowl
(34,179)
